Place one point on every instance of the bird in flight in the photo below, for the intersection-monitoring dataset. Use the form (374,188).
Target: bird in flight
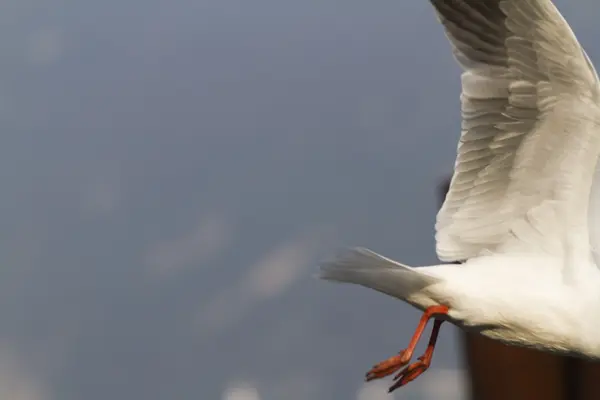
(522,215)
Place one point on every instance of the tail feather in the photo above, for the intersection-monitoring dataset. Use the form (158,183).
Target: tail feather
(367,268)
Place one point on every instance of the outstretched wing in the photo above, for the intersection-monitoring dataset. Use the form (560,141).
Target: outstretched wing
(530,130)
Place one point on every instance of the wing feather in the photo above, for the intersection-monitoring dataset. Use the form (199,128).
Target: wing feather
(530,128)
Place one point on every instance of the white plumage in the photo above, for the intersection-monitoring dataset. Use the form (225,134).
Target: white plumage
(529,146)
(522,212)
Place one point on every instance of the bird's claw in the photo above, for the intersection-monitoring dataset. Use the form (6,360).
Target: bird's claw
(410,373)
(389,366)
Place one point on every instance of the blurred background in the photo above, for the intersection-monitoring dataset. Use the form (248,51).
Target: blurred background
(172,172)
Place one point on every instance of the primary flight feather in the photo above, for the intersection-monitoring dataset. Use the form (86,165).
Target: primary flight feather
(521,212)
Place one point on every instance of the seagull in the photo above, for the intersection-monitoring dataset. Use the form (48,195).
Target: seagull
(519,230)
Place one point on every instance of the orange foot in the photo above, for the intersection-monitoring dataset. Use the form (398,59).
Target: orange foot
(410,373)
(415,369)
(389,366)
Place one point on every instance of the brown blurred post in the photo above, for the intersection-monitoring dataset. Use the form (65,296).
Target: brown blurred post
(499,372)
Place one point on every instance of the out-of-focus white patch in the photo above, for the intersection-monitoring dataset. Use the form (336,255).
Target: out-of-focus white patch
(241,391)
(279,268)
(271,276)
(375,391)
(444,384)
(16,383)
(207,240)
(45,46)
(295,385)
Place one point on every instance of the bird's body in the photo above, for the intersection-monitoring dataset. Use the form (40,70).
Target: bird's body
(499,298)
(522,215)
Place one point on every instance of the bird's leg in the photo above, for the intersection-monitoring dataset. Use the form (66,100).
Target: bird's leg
(415,369)
(398,361)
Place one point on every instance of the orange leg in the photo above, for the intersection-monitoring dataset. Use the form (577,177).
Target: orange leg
(396,362)
(415,369)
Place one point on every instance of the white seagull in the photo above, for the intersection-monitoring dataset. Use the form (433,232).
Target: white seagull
(523,211)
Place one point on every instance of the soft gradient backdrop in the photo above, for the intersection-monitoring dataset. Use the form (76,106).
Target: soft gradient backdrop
(172,172)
